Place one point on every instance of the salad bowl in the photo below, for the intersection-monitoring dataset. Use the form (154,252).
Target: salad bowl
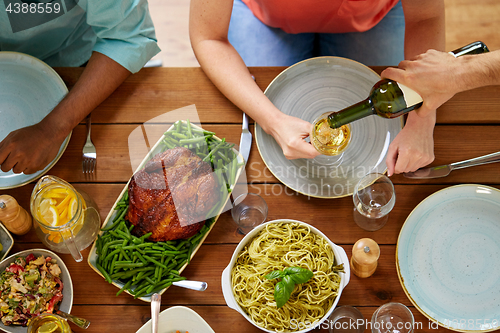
(67,301)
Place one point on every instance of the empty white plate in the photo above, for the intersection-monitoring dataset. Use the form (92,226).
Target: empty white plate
(447,258)
(178,318)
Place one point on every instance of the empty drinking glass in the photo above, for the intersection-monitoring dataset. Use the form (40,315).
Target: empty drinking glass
(373,198)
(346,319)
(392,318)
(249,211)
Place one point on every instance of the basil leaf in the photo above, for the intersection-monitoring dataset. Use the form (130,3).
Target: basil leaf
(275,275)
(281,294)
(298,274)
(289,284)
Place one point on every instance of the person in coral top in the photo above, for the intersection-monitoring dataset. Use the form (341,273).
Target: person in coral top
(227,36)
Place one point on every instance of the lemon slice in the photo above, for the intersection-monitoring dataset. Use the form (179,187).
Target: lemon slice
(62,206)
(48,328)
(49,216)
(56,193)
(45,204)
(72,208)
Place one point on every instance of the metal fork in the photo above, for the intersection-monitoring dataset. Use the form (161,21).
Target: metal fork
(89,153)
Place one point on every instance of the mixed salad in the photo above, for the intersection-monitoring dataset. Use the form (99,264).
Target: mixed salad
(28,287)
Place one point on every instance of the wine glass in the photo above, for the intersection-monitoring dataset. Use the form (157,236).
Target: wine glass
(373,198)
(392,318)
(331,143)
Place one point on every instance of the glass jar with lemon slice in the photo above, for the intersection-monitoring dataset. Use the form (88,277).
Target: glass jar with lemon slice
(67,220)
(48,323)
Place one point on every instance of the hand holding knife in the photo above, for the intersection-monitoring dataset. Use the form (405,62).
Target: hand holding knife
(444,170)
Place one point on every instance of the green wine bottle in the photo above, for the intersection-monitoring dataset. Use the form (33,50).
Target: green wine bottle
(390,99)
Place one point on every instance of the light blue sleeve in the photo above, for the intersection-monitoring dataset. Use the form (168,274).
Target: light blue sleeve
(125,31)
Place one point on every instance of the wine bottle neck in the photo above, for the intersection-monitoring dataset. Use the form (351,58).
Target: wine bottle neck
(351,113)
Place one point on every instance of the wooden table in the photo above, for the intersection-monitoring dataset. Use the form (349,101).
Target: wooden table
(468,126)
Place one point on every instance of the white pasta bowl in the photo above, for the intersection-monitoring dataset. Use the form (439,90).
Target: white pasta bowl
(227,288)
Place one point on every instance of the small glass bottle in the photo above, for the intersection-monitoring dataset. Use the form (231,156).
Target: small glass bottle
(14,217)
(364,260)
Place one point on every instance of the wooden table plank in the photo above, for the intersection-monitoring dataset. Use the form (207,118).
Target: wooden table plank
(332,216)
(154,91)
(220,318)
(452,144)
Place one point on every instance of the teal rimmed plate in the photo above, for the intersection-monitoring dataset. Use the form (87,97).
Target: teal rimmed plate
(29,90)
(447,258)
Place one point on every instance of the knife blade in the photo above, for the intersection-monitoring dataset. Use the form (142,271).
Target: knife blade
(445,170)
(246,139)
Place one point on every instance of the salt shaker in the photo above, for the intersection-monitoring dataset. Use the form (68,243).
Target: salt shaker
(14,217)
(364,260)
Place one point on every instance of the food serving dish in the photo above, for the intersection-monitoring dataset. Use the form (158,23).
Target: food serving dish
(29,90)
(447,255)
(227,289)
(178,318)
(67,301)
(6,240)
(160,147)
(308,89)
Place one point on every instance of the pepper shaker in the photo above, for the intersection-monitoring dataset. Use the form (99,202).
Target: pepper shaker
(364,260)
(14,217)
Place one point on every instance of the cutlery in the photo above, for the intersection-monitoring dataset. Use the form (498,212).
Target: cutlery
(89,153)
(444,170)
(80,322)
(155,310)
(246,139)
(193,285)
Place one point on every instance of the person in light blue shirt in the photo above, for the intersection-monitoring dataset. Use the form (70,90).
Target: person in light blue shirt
(111,38)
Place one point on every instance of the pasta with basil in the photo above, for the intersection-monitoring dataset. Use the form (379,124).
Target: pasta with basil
(276,247)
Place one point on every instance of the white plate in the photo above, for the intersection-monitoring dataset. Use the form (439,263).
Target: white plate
(447,258)
(67,302)
(29,90)
(178,318)
(308,89)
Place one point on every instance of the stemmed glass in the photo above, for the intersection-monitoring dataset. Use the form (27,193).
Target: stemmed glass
(373,198)
(332,154)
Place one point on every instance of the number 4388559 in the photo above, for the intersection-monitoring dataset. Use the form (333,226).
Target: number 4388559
(33,8)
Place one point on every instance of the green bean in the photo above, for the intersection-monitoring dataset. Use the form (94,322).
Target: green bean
(154,261)
(125,286)
(146,236)
(122,214)
(213,151)
(128,265)
(122,251)
(103,272)
(192,140)
(179,135)
(188,125)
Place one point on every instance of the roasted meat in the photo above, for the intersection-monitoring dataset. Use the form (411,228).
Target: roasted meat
(171,195)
